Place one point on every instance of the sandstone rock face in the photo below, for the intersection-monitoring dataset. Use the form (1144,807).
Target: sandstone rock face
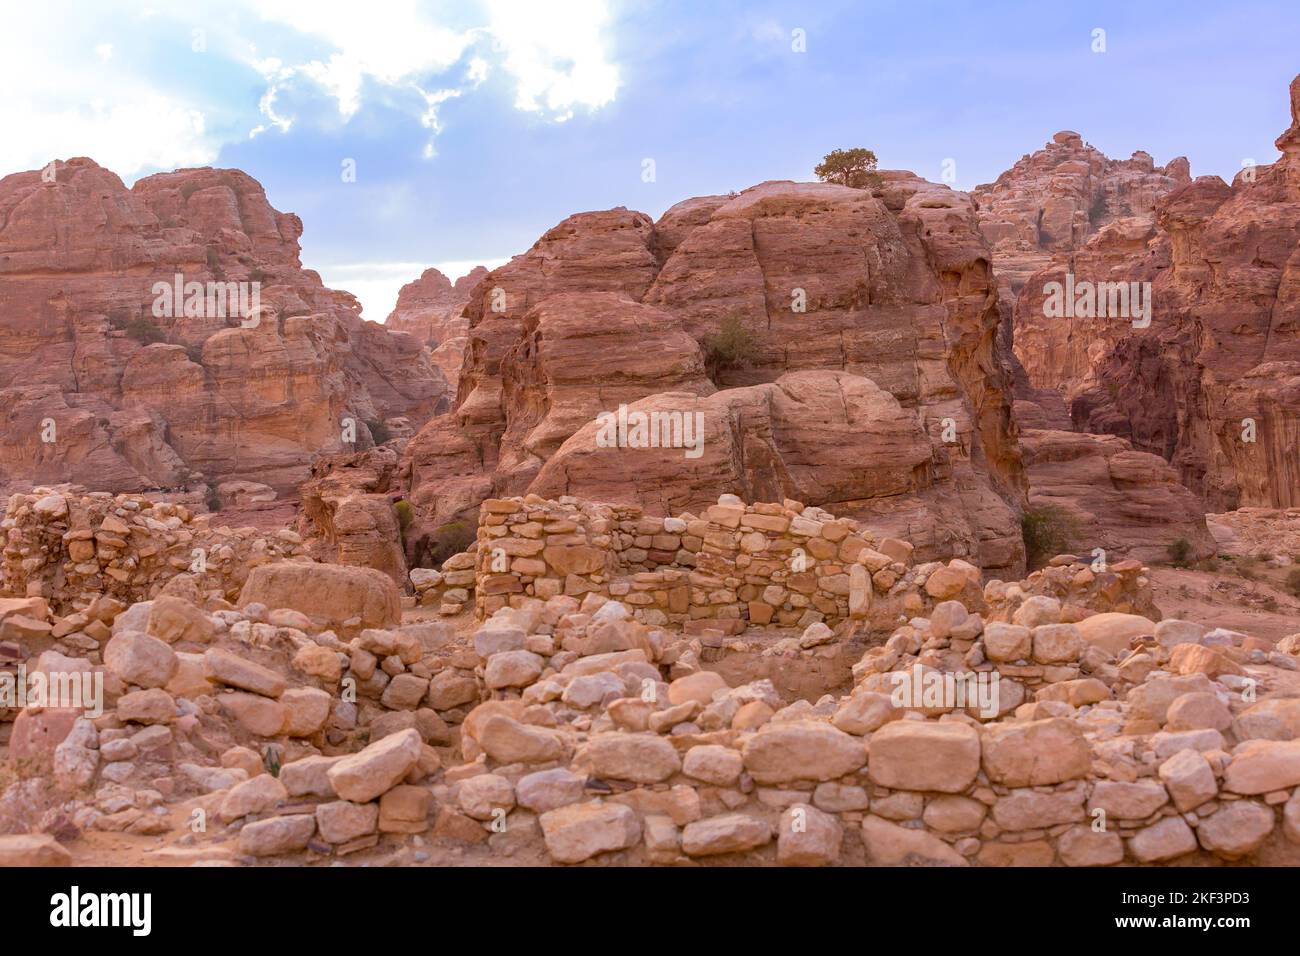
(1129,503)
(893,292)
(142,400)
(430,309)
(1212,384)
(1053,200)
(348,512)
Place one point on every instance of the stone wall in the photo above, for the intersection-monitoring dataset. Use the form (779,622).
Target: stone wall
(71,548)
(736,564)
(762,564)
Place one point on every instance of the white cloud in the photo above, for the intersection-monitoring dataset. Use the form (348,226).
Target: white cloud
(98,89)
(68,96)
(556,54)
(557,57)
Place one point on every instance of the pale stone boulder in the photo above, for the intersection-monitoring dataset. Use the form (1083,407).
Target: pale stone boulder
(1007,642)
(1035,753)
(258,795)
(729,833)
(1236,830)
(172,619)
(277,835)
(1036,610)
(1166,840)
(341,821)
(257,714)
(307,709)
(802,750)
(713,764)
(640,758)
(1262,766)
(1083,846)
(1199,711)
(1127,801)
(513,669)
(334,593)
(864,712)
(224,667)
(921,755)
(580,831)
(548,790)
(889,844)
(33,850)
(807,837)
(1113,632)
(1028,809)
(1057,643)
(486,796)
(507,741)
(309,777)
(363,776)
(139,659)
(1190,780)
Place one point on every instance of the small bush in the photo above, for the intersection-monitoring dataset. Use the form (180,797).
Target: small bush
(214,263)
(213,499)
(1047,532)
(405,515)
(118,319)
(451,538)
(145,332)
(1180,552)
(732,346)
(378,431)
(1293,582)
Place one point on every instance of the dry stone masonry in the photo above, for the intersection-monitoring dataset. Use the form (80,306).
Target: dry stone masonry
(317,715)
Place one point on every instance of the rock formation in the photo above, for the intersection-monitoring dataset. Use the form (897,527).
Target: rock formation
(430,309)
(1212,383)
(894,289)
(1128,503)
(1052,201)
(110,380)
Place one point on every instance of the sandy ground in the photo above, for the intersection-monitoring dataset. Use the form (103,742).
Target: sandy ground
(1226,599)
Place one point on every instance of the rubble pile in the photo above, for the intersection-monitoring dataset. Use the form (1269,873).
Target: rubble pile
(73,549)
(989,725)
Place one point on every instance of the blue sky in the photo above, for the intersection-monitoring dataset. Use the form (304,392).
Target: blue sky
(476,126)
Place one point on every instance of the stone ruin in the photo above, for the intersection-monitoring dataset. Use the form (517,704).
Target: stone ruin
(316,716)
(736,565)
(73,549)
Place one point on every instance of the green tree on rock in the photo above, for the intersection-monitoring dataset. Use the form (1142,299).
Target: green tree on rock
(849,167)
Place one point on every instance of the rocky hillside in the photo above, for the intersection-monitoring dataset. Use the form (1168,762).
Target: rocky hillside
(837,345)
(431,309)
(1052,201)
(1212,383)
(110,380)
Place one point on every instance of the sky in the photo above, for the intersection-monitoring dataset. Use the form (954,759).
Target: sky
(450,134)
